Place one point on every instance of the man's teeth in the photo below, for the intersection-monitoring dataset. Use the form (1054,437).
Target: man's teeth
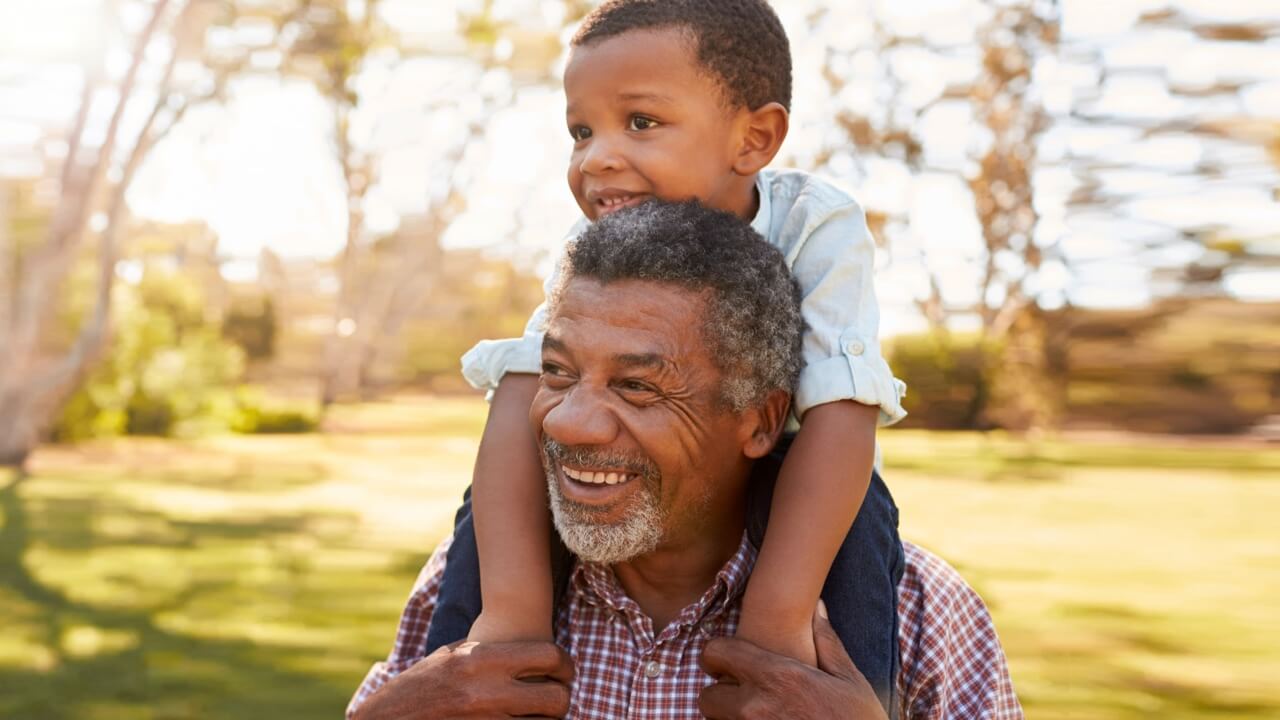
(595,478)
(614,202)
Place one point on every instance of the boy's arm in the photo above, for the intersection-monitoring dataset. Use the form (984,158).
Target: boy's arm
(508,489)
(843,390)
(513,529)
(817,495)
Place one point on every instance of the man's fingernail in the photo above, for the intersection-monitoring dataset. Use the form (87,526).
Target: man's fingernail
(822,610)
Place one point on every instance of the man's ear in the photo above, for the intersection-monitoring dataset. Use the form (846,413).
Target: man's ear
(762,425)
(761,134)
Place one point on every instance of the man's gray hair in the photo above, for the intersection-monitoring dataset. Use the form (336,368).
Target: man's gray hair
(752,324)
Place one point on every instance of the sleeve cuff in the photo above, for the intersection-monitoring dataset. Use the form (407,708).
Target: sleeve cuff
(484,365)
(858,374)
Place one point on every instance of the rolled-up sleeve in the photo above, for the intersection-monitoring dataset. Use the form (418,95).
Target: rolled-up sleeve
(834,267)
(484,365)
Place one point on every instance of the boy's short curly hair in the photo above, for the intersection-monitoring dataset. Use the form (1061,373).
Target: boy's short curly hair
(741,42)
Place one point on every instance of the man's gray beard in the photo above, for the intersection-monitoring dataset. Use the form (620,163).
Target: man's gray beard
(640,531)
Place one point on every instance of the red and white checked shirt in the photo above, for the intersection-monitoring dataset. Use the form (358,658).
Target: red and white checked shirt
(952,664)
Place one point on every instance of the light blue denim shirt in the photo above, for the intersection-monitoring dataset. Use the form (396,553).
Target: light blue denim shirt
(822,232)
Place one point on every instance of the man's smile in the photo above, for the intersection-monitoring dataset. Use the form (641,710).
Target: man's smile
(598,477)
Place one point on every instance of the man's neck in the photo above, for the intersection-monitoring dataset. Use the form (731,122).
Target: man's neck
(674,576)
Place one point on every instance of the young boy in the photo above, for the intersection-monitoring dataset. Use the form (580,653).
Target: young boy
(679,99)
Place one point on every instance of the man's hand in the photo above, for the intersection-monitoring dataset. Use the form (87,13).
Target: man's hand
(478,680)
(755,684)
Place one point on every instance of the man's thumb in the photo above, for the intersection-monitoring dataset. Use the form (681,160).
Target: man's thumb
(832,657)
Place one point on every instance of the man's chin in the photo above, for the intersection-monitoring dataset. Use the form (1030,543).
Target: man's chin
(594,539)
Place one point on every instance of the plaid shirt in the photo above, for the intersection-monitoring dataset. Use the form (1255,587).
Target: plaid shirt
(952,664)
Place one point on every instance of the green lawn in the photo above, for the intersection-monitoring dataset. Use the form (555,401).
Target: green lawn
(258,577)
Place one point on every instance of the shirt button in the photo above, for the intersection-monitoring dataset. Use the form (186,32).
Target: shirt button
(653,669)
(854,347)
(708,627)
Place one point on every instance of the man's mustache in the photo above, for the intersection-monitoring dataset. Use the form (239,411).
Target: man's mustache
(588,457)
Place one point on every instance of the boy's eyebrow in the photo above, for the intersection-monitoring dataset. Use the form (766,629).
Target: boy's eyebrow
(632,97)
(653,97)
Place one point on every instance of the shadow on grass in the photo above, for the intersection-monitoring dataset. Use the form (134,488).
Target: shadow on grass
(151,670)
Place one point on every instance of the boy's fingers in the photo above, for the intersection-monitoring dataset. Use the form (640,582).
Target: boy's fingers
(832,657)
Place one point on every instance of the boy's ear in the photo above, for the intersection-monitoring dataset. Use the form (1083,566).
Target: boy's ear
(762,425)
(761,136)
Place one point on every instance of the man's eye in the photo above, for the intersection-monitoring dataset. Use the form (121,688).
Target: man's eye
(579,133)
(635,386)
(640,122)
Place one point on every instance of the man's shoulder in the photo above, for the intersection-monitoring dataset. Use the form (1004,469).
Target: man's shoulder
(932,594)
(926,572)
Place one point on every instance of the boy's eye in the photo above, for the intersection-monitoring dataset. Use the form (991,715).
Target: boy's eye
(579,133)
(640,122)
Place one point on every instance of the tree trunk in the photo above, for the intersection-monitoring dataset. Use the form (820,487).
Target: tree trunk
(33,388)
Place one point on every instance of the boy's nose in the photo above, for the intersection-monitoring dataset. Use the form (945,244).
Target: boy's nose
(600,156)
(581,418)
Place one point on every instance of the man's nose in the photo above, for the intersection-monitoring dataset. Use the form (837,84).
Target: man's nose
(581,418)
(601,155)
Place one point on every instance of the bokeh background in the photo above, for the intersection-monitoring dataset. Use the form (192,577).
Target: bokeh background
(244,242)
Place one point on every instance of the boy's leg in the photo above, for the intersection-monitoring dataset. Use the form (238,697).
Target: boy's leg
(458,604)
(861,591)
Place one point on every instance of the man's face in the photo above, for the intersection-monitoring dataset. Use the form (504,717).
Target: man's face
(647,121)
(637,445)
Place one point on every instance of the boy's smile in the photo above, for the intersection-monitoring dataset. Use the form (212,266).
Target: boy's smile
(648,121)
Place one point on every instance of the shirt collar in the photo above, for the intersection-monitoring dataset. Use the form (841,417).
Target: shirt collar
(764,214)
(599,586)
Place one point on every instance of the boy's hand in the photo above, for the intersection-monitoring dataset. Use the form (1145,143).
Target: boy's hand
(506,627)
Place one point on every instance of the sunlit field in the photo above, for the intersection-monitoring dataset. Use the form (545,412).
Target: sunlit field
(258,577)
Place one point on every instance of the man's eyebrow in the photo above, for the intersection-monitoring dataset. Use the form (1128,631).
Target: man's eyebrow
(551,342)
(650,361)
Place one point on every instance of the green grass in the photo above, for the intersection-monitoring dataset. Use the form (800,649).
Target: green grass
(258,577)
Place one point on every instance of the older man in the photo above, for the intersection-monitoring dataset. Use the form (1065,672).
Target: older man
(671,349)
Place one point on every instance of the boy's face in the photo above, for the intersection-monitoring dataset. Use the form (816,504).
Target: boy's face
(648,121)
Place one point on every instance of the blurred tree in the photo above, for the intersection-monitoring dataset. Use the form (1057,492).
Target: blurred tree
(96,170)
(381,280)
(250,322)
(168,369)
(1003,101)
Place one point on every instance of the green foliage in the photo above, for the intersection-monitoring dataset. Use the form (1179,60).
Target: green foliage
(251,323)
(168,370)
(947,379)
(476,299)
(1179,367)
(254,416)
